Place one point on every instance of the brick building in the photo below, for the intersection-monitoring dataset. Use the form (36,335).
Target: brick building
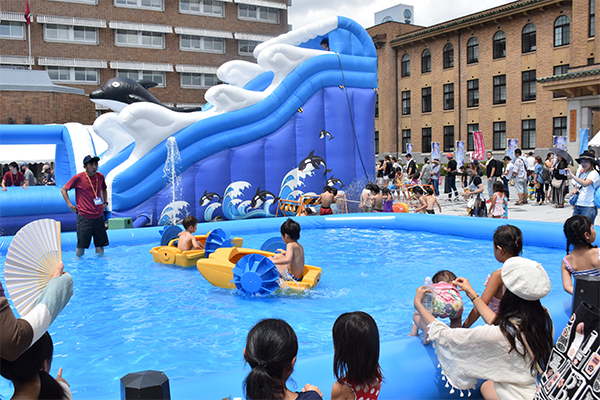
(179,44)
(484,72)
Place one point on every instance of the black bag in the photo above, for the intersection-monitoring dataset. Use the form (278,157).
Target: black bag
(546,175)
(499,166)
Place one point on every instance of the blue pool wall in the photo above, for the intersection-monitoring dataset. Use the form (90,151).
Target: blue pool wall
(410,369)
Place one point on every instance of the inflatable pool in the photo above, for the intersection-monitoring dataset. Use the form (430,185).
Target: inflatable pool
(141,335)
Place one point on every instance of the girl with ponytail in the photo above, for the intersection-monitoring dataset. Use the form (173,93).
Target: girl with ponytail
(585,257)
(271,349)
(30,373)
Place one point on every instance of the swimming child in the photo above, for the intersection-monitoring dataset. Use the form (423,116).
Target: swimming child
(376,199)
(187,240)
(271,349)
(421,204)
(508,243)
(447,303)
(431,201)
(365,198)
(388,200)
(326,198)
(499,204)
(290,262)
(356,357)
(30,373)
(584,259)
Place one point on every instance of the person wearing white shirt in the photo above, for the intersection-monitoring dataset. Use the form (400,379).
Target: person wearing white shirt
(530,162)
(586,183)
(507,175)
(520,175)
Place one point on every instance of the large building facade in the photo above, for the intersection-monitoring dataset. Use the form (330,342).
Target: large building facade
(483,72)
(178,44)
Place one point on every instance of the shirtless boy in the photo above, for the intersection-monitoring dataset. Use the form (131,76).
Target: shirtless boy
(326,198)
(421,203)
(187,240)
(431,201)
(376,199)
(290,262)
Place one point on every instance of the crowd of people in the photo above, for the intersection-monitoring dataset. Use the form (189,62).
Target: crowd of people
(25,177)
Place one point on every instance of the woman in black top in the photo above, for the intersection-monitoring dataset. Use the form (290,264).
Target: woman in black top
(558,193)
(476,190)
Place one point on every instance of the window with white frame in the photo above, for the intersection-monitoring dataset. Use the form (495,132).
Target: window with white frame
(198,81)
(259,13)
(12,30)
(66,33)
(12,66)
(203,7)
(78,1)
(246,47)
(73,74)
(148,4)
(202,43)
(129,38)
(157,77)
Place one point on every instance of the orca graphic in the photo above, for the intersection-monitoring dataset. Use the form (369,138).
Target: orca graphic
(260,197)
(313,160)
(325,133)
(118,93)
(334,181)
(207,198)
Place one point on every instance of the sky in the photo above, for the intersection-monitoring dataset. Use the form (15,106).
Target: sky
(426,12)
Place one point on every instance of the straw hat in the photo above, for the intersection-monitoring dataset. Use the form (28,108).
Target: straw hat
(525,278)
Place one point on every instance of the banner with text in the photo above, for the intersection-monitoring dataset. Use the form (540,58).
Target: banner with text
(584,140)
(560,142)
(479,153)
(435,150)
(460,153)
(409,148)
(513,144)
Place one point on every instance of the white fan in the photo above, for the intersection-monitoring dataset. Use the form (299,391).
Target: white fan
(33,255)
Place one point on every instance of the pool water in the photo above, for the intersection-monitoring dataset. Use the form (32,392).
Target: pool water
(130,314)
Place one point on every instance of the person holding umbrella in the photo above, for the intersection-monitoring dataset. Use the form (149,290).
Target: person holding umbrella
(560,177)
(586,183)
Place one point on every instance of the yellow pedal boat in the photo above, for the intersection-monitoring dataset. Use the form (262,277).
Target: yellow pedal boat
(170,254)
(217,269)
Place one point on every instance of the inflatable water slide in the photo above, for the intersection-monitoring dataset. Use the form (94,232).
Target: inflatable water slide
(297,119)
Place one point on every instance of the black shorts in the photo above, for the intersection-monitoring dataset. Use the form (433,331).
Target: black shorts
(88,228)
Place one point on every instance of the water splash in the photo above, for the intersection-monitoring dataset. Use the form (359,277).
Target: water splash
(171,174)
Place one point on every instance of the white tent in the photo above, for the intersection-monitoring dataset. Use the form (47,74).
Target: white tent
(595,142)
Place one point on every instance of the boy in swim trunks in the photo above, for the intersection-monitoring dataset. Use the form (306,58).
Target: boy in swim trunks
(376,199)
(431,201)
(326,198)
(187,240)
(290,262)
(421,203)
(447,303)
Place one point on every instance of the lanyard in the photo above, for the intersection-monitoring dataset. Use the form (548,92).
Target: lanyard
(93,188)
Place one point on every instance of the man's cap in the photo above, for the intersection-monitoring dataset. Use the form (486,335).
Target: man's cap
(90,158)
(25,164)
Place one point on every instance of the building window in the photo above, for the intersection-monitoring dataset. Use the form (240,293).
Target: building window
(202,43)
(198,81)
(592,25)
(560,126)
(528,92)
(426,61)
(499,45)
(376,142)
(127,38)
(377,106)
(148,4)
(426,141)
(426,102)
(448,56)
(202,7)
(473,93)
(12,66)
(405,68)
(261,14)
(562,28)
(500,89)
(560,70)
(528,134)
(405,139)
(406,102)
(499,135)
(470,141)
(65,33)
(73,74)
(449,96)
(246,47)
(157,77)
(12,30)
(449,138)
(528,38)
(472,51)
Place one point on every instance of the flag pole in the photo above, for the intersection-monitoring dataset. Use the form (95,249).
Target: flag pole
(29,37)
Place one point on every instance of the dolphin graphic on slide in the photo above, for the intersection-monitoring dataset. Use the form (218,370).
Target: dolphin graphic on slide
(313,160)
(207,198)
(334,181)
(260,197)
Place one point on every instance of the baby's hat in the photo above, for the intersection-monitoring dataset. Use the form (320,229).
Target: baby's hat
(525,278)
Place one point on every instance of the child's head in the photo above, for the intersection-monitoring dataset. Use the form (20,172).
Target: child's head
(386,191)
(443,276)
(291,228)
(418,190)
(579,231)
(498,187)
(429,191)
(375,189)
(508,242)
(271,348)
(356,348)
(327,189)
(189,222)
(35,361)
(333,190)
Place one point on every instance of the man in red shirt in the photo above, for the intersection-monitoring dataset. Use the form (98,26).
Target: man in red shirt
(88,185)
(14,177)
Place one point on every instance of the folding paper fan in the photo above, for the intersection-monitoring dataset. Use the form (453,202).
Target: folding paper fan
(32,257)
